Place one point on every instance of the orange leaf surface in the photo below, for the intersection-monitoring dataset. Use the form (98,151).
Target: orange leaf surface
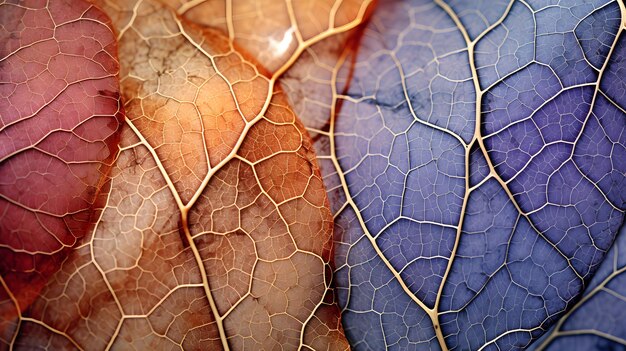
(276,32)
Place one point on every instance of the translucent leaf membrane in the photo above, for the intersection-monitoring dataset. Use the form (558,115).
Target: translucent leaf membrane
(596,321)
(474,158)
(214,231)
(59,121)
(275,31)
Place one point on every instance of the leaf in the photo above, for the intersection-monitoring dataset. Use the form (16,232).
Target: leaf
(215,231)
(595,322)
(275,31)
(60,117)
(475,160)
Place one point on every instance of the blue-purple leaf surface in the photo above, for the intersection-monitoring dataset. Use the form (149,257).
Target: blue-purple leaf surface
(596,322)
(480,146)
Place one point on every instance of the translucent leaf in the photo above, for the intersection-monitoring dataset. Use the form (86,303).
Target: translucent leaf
(213,231)
(474,158)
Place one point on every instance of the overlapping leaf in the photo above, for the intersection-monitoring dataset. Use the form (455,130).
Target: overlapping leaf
(275,31)
(215,231)
(596,321)
(475,155)
(59,126)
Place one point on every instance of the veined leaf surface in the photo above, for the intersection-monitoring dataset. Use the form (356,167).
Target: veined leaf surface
(214,231)
(473,154)
(475,159)
(596,321)
(59,127)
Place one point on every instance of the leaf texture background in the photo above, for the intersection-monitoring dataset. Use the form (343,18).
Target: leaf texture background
(440,174)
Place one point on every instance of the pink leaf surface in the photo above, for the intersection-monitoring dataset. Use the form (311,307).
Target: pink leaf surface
(60,115)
